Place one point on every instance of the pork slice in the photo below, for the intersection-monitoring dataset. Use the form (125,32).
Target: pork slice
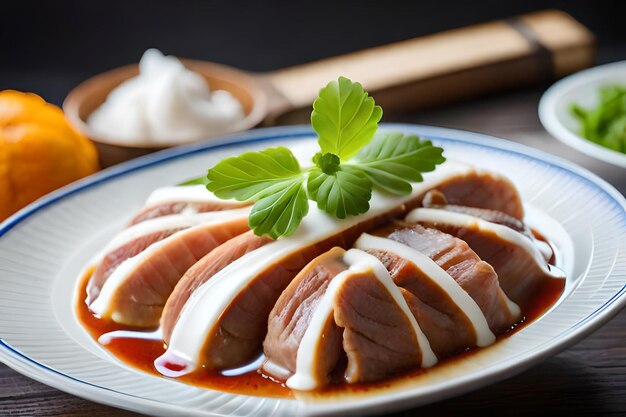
(202,271)
(475,276)
(114,258)
(358,325)
(292,314)
(520,260)
(240,331)
(521,270)
(377,335)
(484,190)
(436,200)
(443,322)
(137,291)
(176,207)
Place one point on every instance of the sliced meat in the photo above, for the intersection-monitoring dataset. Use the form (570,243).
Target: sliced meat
(171,200)
(138,289)
(177,207)
(486,190)
(378,337)
(238,326)
(133,240)
(343,304)
(475,276)
(114,258)
(292,314)
(228,313)
(239,331)
(443,321)
(515,256)
(436,200)
(202,271)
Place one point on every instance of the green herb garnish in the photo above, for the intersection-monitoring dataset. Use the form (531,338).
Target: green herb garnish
(605,124)
(392,160)
(352,160)
(345,118)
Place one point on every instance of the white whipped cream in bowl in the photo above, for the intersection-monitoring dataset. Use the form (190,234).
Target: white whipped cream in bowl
(165,104)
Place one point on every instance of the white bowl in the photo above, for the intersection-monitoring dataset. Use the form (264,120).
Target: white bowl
(581,88)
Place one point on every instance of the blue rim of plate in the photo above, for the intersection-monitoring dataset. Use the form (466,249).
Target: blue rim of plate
(12,357)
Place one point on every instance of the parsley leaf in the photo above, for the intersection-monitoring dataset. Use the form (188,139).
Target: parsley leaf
(345,118)
(347,192)
(392,160)
(253,175)
(280,212)
(273,179)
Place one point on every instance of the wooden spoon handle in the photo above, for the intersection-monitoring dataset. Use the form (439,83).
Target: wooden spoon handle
(452,64)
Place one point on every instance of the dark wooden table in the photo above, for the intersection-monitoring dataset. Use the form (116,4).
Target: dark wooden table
(587,379)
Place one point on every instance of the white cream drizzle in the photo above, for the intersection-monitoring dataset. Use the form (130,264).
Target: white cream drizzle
(358,261)
(544,248)
(465,220)
(187,193)
(103,304)
(206,304)
(170,222)
(107,338)
(438,276)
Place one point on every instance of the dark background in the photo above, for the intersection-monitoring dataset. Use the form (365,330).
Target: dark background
(48,47)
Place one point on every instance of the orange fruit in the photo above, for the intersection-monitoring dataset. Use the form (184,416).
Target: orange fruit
(39,150)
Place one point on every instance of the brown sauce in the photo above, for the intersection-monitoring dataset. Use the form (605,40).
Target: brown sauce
(140,353)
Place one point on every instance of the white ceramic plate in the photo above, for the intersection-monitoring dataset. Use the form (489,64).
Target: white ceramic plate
(44,247)
(581,88)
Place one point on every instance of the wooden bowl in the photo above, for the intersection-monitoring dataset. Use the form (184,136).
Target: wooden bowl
(90,94)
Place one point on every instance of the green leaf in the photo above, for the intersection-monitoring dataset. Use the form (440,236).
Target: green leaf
(252,175)
(347,192)
(393,160)
(203,180)
(280,212)
(345,118)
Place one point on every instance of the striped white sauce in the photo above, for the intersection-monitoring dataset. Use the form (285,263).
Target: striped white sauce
(358,262)
(103,304)
(188,194)
(439,277)
(505,233)
(169,222)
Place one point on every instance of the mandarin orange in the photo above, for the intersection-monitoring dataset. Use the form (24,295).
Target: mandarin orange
(39,150)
